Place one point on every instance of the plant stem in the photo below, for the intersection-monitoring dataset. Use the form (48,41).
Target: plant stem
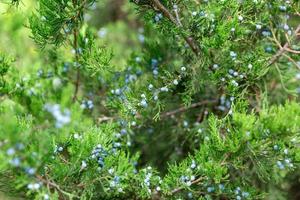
(75,46)
(283,49)
(189,40)
(183,109)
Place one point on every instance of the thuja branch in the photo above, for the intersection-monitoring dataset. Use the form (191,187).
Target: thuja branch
(189,40)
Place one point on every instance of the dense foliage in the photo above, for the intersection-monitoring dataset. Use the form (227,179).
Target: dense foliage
(150,99)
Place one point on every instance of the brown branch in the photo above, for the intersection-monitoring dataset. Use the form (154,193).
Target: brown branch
(183,109)
(75,46)
(54,186)
(105,119)
(292,60)
(283,49)
(64,160)
(189,40)
(165,11)
(181,188)
(177,17)
(292,51)
(77,83)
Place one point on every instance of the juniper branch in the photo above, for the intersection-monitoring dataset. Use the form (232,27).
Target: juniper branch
(55,186)
(176,190)
(283,49)
(292,51)
(183,109)
(189,39)
(75,46)
(75,34)
(292,60)
(198,180)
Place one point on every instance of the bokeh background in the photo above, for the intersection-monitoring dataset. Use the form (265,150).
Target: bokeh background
(114,21)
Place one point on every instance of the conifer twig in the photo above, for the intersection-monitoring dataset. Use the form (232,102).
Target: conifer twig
(75,46)
(183,109)
(200,178)
(292,51)
(283,49)
(292,60)
(75,34)
(54,186)
(189,40)
(192,183)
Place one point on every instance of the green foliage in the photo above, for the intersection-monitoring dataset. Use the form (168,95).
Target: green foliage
(4,66)
(95,58)
(231,146)
(150,99)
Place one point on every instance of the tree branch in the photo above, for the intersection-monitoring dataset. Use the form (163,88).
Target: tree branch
(181,188)
(183,109)
(283,49)
(54,186)
(75,46)
(292,60)
(189,40)
(292,51)
(75,34)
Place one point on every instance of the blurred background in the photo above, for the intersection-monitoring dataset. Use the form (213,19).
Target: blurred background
(115,22)
(112,20)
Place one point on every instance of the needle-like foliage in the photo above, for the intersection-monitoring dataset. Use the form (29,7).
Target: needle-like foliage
(150,99)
